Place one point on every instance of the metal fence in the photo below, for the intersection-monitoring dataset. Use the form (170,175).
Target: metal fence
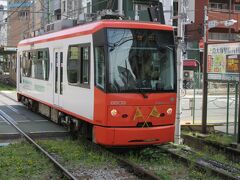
(222,107)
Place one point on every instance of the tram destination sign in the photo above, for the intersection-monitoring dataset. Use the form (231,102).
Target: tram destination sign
(224,61)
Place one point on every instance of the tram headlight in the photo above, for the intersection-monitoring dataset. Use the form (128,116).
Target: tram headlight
(169,111)
(114,112)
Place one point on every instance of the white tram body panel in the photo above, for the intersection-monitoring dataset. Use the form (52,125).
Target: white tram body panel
(76,99)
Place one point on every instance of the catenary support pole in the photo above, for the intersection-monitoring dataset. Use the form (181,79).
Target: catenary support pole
(236,109)
(229,17)
(33,17)
(205,83)
(48,11)
(194,97)
(120,7)
(238,139)
(180,35)
(228,90)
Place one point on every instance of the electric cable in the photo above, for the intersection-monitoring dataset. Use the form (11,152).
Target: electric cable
(23,2)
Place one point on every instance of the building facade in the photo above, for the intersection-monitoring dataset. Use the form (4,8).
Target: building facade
(31,17)
(218,11)
(18,21)
(132,9)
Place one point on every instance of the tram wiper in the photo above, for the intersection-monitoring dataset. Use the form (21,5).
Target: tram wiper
(141,91)
(112,47)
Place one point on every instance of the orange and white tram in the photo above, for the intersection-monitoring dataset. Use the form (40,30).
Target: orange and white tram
(113,81)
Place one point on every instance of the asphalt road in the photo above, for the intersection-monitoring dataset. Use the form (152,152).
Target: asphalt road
(216,111)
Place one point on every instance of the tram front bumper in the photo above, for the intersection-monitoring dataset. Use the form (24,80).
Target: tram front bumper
(133,136)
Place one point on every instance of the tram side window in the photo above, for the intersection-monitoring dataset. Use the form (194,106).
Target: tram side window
(78,65)
(27,64)
(35,64)
(100,67)
(41,64)
(73,65)
(85,65)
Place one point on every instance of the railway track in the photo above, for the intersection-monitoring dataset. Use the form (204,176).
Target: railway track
(222,170)
(129,166)
(58,166)
(189,157)
(232,153)
(185,155)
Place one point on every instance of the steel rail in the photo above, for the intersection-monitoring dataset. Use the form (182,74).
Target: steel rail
(201,163)
(138,171)
(232,153)
(132,167)
(65,172)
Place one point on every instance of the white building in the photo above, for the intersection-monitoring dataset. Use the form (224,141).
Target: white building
(71,9)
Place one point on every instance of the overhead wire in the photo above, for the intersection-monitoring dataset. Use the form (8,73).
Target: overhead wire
(110,3)
(22,3)
(109,6)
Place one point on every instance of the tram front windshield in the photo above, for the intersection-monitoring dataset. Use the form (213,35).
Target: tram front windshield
(140,60)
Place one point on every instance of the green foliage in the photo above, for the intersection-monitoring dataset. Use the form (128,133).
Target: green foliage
(221,138)
(22,161)
(4,87)
(165,166)
(216,137)
(73,154)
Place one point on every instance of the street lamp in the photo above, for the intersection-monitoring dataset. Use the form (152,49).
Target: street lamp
(215,23)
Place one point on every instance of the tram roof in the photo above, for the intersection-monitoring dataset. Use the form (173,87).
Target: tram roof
(91,28)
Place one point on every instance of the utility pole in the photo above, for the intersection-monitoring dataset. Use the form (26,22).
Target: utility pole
(238,138)
(205,82)
(229,17)
(180,37)
(120,7)
(33,17)
(47,4)
(136,16)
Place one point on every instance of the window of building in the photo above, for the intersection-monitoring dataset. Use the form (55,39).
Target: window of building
(237,7)
(141,7)
(88,7)
(223,36)
(78,65)
(23,14)
(218,6)
(64,6)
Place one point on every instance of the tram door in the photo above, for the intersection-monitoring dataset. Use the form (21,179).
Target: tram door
(58,77)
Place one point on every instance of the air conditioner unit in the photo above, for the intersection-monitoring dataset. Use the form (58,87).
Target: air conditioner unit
(187,74)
